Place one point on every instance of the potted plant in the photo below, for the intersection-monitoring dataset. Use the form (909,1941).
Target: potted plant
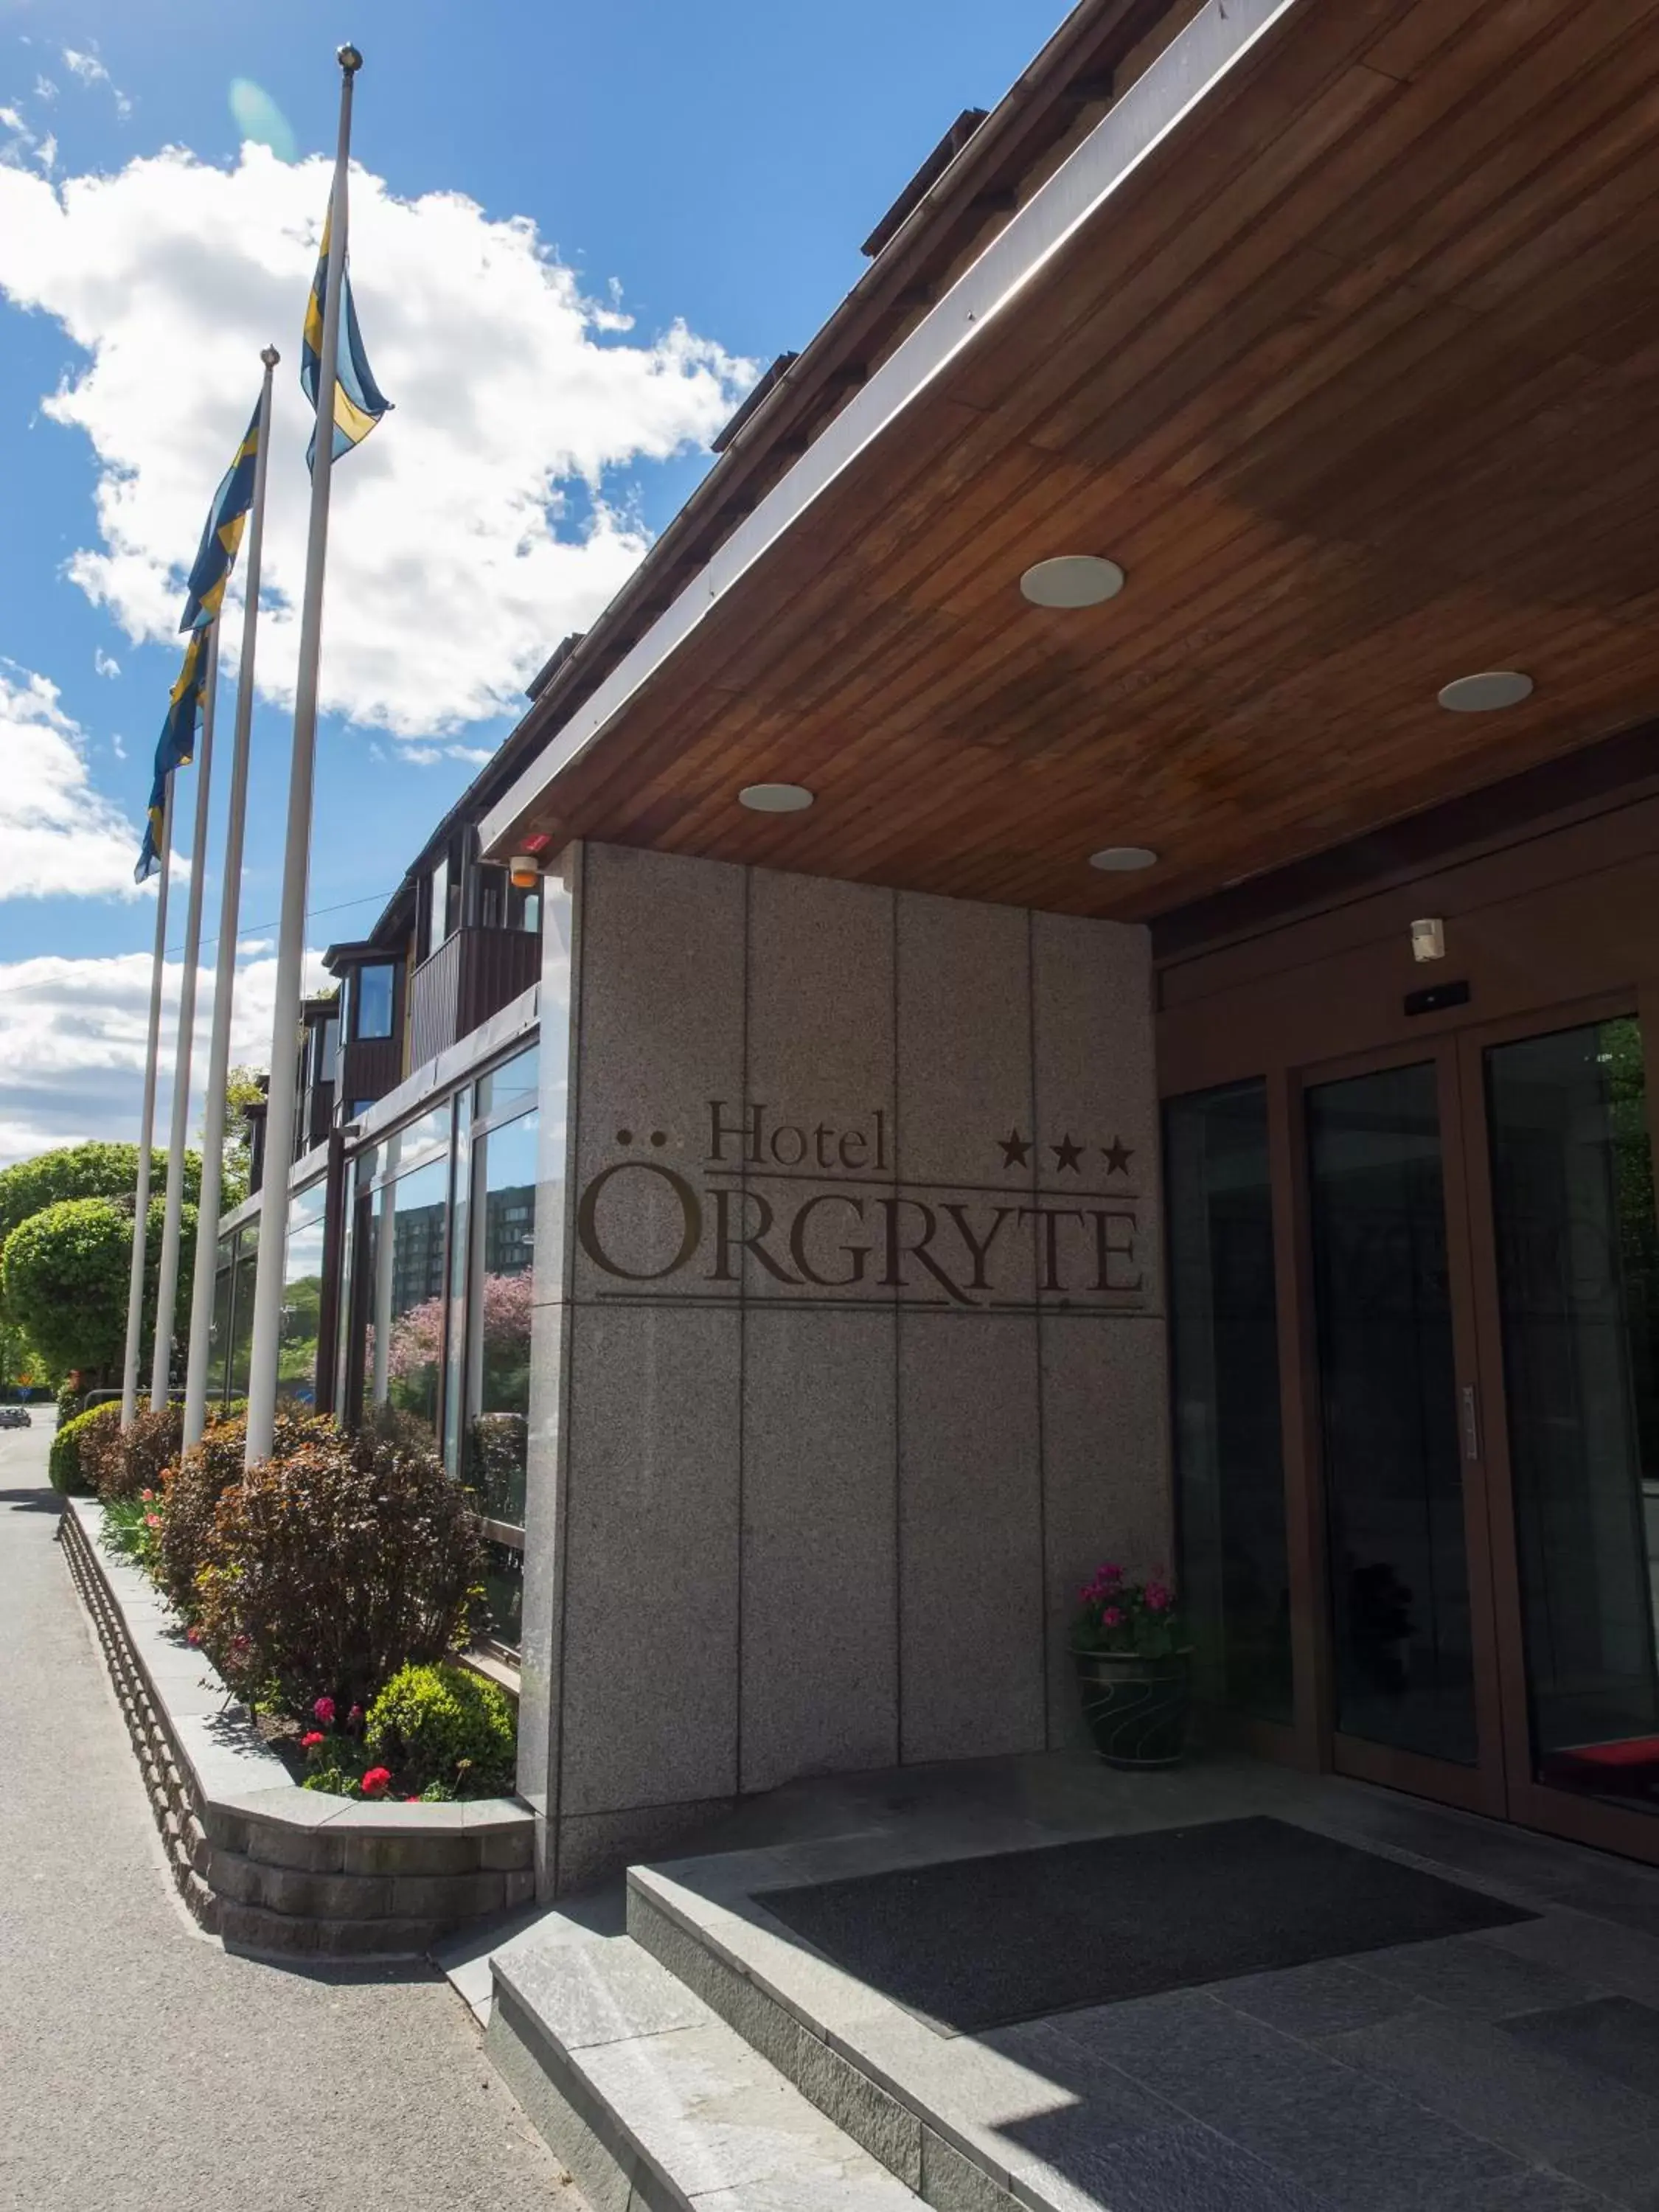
(1134,1668)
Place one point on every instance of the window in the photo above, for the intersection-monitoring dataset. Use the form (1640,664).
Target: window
(328,1057)
(503,1259)
(241,1312)
(403,1358)
(437,908)
(1225,1348)
(303,1297)
(219,1328)
(374,1001)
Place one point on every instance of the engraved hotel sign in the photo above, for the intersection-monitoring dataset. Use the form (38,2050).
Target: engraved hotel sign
(812,1211)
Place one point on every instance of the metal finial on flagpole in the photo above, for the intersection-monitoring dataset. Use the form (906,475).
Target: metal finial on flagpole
(147,1124)
(218,1067)
(271,1268)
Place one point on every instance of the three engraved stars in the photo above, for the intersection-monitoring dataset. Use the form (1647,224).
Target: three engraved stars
(1068,1153)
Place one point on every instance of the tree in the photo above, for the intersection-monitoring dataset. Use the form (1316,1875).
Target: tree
(64,1278)
(89,1171)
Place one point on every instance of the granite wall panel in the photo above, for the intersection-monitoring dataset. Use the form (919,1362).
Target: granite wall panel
(648,1666)
(970,1540)
(820,1687)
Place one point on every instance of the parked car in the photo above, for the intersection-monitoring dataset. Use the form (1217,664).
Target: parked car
(16,1417)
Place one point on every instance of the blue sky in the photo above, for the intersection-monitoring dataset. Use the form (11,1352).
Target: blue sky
(697,179)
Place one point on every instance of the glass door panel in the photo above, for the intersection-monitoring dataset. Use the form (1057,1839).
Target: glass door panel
(1404,1674)
(1577,1262)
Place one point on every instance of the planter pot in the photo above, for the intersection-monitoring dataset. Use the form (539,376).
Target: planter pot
(1136,1708)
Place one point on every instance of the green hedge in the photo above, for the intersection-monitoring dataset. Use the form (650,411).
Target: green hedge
(63,1462)
(445,1730)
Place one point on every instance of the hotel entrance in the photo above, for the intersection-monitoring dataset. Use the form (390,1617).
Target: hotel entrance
(1481,1233)
(1415,1327)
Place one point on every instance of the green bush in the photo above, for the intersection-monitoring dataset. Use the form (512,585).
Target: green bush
(65,1467)
(191,1492)
(443,1727)
(331,1567)
(71,1392)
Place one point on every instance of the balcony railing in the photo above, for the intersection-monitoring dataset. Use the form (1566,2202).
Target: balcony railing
(472,975)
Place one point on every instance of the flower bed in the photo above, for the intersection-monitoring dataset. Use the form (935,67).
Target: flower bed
(330,1586)
(274,1867)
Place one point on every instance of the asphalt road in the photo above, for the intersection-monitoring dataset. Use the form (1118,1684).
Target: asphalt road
(140,2065)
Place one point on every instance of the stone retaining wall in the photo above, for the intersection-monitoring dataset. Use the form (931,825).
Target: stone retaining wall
(268,1866)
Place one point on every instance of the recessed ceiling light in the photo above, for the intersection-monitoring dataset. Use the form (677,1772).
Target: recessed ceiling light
(775,798)
(1478,695)
(1071,579)
(1122,860)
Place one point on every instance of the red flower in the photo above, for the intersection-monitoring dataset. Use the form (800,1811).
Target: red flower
(324,1710)
(1113,1617)
(377,1782)
(353,1715)
(192,1637)
(309,1743)
(1158,1598)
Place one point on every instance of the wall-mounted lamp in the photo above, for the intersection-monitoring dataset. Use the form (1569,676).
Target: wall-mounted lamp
(1429,939)
(525,872)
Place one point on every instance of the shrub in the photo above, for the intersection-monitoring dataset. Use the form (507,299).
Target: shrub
(71,1392)
(332,1566)
(135,1459)
(445,1728)
(67,1467)
(193,1491)
(132,1527)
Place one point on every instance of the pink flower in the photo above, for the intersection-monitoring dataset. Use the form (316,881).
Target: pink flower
(377,1782)
(1158,1598)
(353,1715)
(146,1495)
(1110,1573)
(310,1741)
(152,1520)
(192,1637)
(323,1711)
(1113,1617)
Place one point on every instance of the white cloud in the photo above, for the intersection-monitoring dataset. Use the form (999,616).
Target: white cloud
(72,1034)
(476,526)
(44,90)
(56,833)
(105,663)
(86,67)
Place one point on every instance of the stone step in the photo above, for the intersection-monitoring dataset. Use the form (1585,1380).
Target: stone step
(945,2114)
(652,2100)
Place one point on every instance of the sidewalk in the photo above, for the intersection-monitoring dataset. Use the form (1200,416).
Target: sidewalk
(142,2066)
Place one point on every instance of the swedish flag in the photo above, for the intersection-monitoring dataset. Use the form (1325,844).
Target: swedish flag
(226,519)
(358,403)
(176,746)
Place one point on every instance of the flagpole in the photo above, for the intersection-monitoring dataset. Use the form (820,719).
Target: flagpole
(224,982)
(268,1284)
(166,1281)
(147,1127)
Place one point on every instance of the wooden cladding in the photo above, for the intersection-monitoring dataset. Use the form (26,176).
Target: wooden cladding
(473,973)
(1354,374)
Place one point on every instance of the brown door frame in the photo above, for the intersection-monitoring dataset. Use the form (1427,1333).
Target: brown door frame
(1480,1788)
(1529,1803)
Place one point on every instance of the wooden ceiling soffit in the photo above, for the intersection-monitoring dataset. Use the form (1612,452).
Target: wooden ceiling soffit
(1343,345)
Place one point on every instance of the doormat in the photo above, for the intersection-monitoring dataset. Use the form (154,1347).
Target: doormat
(983,1942)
